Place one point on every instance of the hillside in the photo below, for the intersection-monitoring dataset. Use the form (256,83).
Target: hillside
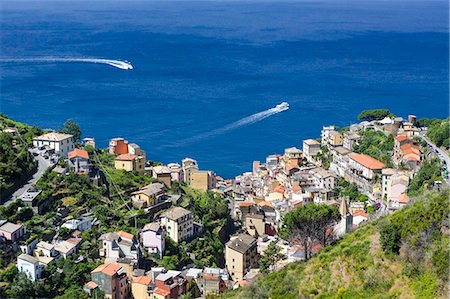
(408,260)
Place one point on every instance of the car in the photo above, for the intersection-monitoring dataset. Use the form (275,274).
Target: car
(35,154)
(41,148)
(46,156)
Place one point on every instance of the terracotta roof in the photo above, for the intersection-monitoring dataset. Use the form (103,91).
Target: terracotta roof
(126,157)
(404,198)
(367,161)
(401,138)
(296,188)
(109,269)
(145,280)
(279,189)
(246,204)
(125,235)
(75,241)
(92,285)
(265,203)
(360,213)
(78,153)
(162,292)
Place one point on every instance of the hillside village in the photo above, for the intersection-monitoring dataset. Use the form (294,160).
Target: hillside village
(110,223)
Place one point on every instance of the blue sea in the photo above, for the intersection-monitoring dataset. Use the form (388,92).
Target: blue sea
(200,69)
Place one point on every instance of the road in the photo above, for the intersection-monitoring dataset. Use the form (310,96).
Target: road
(43,164)
(440,153)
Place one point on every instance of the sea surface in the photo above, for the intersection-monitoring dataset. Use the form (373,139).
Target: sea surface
(202,69)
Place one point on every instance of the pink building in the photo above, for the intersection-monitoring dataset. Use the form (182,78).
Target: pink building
(11,232)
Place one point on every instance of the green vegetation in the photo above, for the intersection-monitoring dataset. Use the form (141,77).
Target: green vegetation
(358,267)
(377,145)
(72,128)
(344,188)
(16,163)
(425,177)
(375,114)
(271,256)
(439,132)
(309,223)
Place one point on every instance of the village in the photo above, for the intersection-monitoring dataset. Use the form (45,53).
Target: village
(162,212)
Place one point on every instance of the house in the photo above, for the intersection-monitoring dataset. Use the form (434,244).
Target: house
(178,224)
(323,179)
(153,238)
(130,162)
(202,180)
(141,287)
(163,174)
(311,148)
(406,152)
(148,195)
(30,265)
(325,134)
(90,287)
(81,224)
(292,156)
(255,225)
(10,231)
(364,166)
(176,172)
(240,256)
(60,143)
(350,139)
(188,165)
(118,146)
(360,216)
(335,139)
(45,249)
(169,284)
(79,160)
(402,201)
(119,245)
(67,247)
(213,281)
(112,280)
(89,141)
(340,160)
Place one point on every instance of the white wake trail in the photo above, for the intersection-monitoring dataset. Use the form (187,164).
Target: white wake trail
(237,124)
(124,65)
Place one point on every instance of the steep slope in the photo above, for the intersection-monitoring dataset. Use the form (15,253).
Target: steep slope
(404,255)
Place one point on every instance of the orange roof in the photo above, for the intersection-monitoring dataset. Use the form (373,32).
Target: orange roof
(145,280)
(360,213)
(211,276)
(78,153)
(109,269)
(367,161)
(125,235)
(162,292)
(296,188)
(246,204)
(404,198)
(279,189)
(92,285)
(291,165)
(75,241)
(126,157)
(401,138)
(265,203)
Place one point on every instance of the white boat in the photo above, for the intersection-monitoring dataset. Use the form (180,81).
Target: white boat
(283,106)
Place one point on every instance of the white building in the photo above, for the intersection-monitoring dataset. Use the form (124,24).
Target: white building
(325,134)
(153,238)
(311,148)
(178,224)
(364,166)
(30,265)
(82,224)
(62,144)
(118,245)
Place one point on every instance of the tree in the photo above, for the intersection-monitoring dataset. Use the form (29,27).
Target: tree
(374,114)
(22,287)
(271,256)
(309,223)
(71,127)
(390,238)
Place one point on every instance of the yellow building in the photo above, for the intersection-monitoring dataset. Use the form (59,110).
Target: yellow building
(130,162)
(148,195)
(336,139)
(140,287)
(241,256)
(203,180)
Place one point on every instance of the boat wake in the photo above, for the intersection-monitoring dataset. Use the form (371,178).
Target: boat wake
(237,124)
(123,65)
